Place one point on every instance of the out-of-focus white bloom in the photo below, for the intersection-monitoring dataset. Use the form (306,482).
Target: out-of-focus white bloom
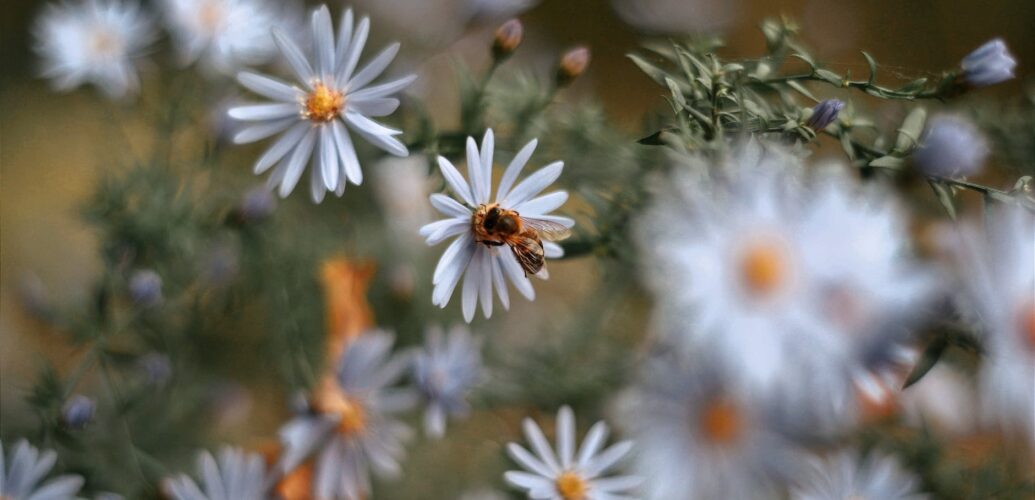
(485,494)
(988,64)
(569,474)
(25,468)
(677,16)
(352,429)
(402,186)
(951,147)
(998,281)
(446,370)
(766,267)
(311,116)
(223,34)
(697,436)
(846,475)
(497,9)
(237,475)
(95,41)
(482,266)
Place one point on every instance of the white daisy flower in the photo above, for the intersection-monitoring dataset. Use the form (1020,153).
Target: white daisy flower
(352,428)
(223,34)
(27,467)
(446,370)
(482,262)
(698,436)
(567,474)
(765,266)
(847,475)
(95,41)
(998,284)
(311,116)
(237,475)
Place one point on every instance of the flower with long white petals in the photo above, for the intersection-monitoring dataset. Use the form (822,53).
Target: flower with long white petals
(312,116)
(446,370)
(22,471)
(847,475)
(352,428)
(486,267)
(223,34)
(236,474)
(570,474)
(95,41)
(998,283)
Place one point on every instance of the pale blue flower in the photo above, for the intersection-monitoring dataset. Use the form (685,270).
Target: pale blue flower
(236,475)
(951,146)
(22,471)
(989,64)
(847,475)
(446,370)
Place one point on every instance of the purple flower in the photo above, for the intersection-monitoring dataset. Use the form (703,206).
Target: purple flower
(78,411)
(989,64)
(824,114)
(145,288)
(951,147)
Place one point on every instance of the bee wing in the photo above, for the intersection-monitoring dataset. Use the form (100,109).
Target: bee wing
(548,230)
(529,254)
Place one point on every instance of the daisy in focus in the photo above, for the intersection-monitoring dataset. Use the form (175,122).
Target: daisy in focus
(999,295)
(446,370)
(498,238)
(94,41)
(237,475)
(847,475)
(351,428)
(223,34)
(569,474)
(767,266)
(311,116)
(697,436)
(25,468)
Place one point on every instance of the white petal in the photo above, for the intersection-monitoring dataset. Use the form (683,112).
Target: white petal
(474,173)
(455,180)
(281,147)
(566,436)
(607,458)
(540,445)
(296,164)
(317,189)
(472,278)
(552,250)
(351,59)
(526,480)
(514,169)
(448,206)
(374,68)
(323,41)
(442,230)
(328,156)
(617,484)
(527,460)
(449,271)
(296,59)
(534,184)
(375,106)
(542,204)
(347,153)
(594,441)
(567,222)
(208,470)
(488,145)
(263,130)
(513,271)
(376,133)
(344,36)
(384,89)
(269,87)
(256,112)
(500,283)
(485,280)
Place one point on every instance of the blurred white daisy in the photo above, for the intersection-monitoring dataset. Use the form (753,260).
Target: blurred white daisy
(998,283)
(765,266)
(446,370)
(311,116)
(352,429)
(93,41)
(223,34)
(697,436)
(484,266)
(847,475)
(569,474)
(22,471)
(237,475)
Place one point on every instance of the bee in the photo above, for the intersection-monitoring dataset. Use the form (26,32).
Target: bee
(495,226)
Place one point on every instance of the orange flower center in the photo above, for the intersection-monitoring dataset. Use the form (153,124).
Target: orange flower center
(104,44)
(323,104)
(210,16)
(571,486)
(297,484)
(330,399)
(720,422)
(1027,325)
(763,268)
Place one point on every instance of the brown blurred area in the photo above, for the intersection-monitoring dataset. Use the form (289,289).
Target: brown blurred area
(52,146)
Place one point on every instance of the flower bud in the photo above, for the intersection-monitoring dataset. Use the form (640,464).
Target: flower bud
(508,37)
(78,411)
(573,64)
(155,367)
(951,147)
(987,65)
(145,288)
(824,114)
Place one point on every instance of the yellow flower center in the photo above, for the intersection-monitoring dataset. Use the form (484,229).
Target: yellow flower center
(763,268)
(104,44)
(720,422)
(210,16)
(1026,322)
(297,484)
(330,399)
(323,104)
(571,486)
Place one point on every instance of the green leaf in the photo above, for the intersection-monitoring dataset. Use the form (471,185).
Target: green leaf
(802,90)
(873,67)
(805,57)
(910,131)
(927,360)
(913,86)
(888,161)
(829,76)
(656,73)
(677,93)
(944,194)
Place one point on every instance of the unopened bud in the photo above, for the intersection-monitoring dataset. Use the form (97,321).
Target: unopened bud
(508,37)
(78,411)
(987,65)
(573,64)
(824,114)
(145,288)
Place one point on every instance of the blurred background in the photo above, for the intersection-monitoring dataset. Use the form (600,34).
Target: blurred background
(55,148)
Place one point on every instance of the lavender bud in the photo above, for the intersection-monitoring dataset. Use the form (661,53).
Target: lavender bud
(951,147)
(573,64)
(987,65)
(145,288)
(256,205)
(155,367)
(78,411)
(824,114)
(508,37)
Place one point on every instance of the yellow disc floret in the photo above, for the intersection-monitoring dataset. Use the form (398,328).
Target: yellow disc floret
(720,422)
(571,486)
(323,104)
(763,268)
